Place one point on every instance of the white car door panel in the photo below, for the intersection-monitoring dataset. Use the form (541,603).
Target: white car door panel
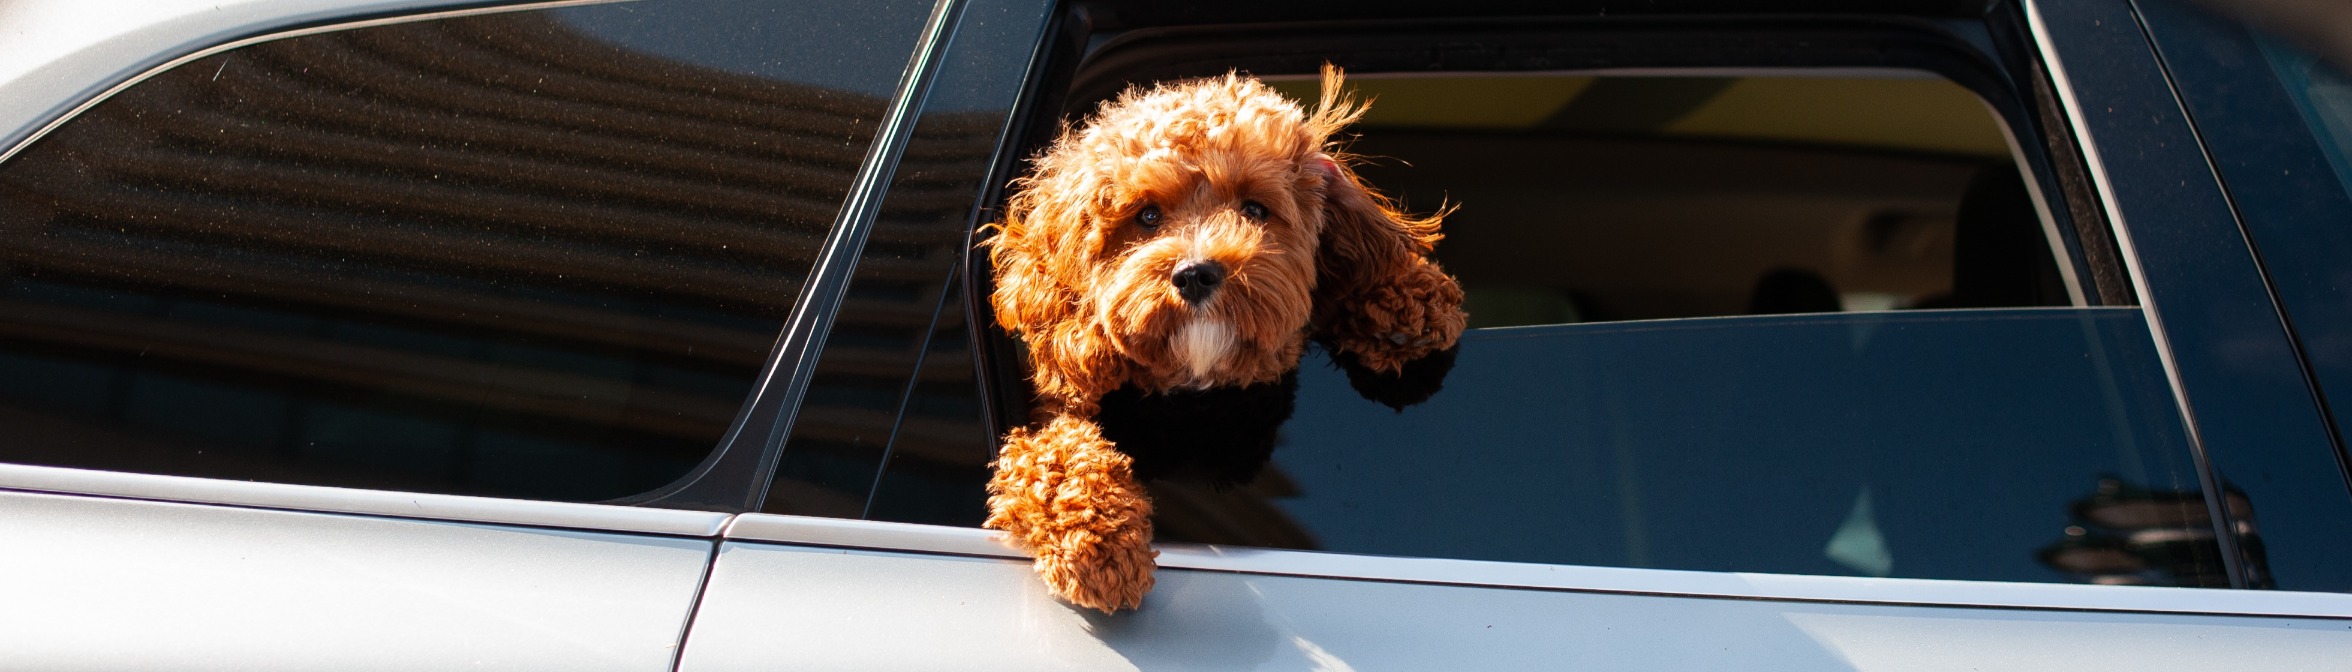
(127,584)
(958,601)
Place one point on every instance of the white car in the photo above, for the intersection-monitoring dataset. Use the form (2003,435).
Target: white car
(646,335)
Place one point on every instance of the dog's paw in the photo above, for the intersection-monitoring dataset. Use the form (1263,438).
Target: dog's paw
(1070,499)
(1414,382)
(1106,574)
(1394,323)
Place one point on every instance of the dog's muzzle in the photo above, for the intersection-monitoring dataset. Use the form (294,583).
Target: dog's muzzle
(1196,281)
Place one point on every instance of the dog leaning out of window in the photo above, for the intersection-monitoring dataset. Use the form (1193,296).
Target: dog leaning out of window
(1165,262)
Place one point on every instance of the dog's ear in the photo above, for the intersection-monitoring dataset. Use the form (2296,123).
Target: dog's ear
(1378,296)
(1040,254)
(1031,290)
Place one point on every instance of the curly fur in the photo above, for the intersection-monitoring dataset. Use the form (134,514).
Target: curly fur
(1086,285)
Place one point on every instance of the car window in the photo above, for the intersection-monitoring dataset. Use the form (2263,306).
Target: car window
(1796,322)
(1811,320)
(1595,198)
(1963,444)
(533,254)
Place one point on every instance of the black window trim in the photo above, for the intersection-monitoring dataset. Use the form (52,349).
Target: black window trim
(996,362)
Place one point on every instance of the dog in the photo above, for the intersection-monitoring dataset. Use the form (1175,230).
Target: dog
(1183,242)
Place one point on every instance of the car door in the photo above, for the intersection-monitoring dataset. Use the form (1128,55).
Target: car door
(118,571)
(337,334)
(1933,476)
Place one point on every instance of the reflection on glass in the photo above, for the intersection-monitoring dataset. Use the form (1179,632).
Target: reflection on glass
(486,255)
(891,428)
(2122,534)
(2322,96)
(1934,444)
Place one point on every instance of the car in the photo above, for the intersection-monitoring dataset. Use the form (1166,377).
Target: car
(648,335)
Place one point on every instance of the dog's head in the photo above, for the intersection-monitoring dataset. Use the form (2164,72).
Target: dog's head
(1177,238)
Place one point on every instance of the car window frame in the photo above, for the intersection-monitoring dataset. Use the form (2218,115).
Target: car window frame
(2070,176)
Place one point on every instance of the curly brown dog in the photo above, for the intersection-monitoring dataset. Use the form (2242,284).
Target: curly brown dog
(1188,237)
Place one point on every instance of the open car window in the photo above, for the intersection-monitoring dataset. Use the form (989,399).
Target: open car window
(1584,198)
(1818,320)
(1794,322)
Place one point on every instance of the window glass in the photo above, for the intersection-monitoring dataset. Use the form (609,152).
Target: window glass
(2322,96)
(536,254)
(891,427)
(2008,445)
(939,457)
(1592,198)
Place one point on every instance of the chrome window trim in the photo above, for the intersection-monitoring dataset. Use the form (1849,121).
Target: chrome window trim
(889,537)
(45,83)
(317,498)
(2097,168)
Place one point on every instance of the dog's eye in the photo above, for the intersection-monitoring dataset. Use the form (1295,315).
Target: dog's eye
(1253,210)
(1149,217)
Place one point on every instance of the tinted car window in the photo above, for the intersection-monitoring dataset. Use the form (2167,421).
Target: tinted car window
(2323,97)
(536,254)
(1964,444)
(2275,124)
(892,427)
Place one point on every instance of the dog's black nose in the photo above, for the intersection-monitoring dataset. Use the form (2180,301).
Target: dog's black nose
(1197,280)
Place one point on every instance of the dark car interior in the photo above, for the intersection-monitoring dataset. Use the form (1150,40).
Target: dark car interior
(1796,192)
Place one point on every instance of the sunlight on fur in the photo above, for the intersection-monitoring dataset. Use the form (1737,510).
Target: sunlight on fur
(1203,344)
(1190,235)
